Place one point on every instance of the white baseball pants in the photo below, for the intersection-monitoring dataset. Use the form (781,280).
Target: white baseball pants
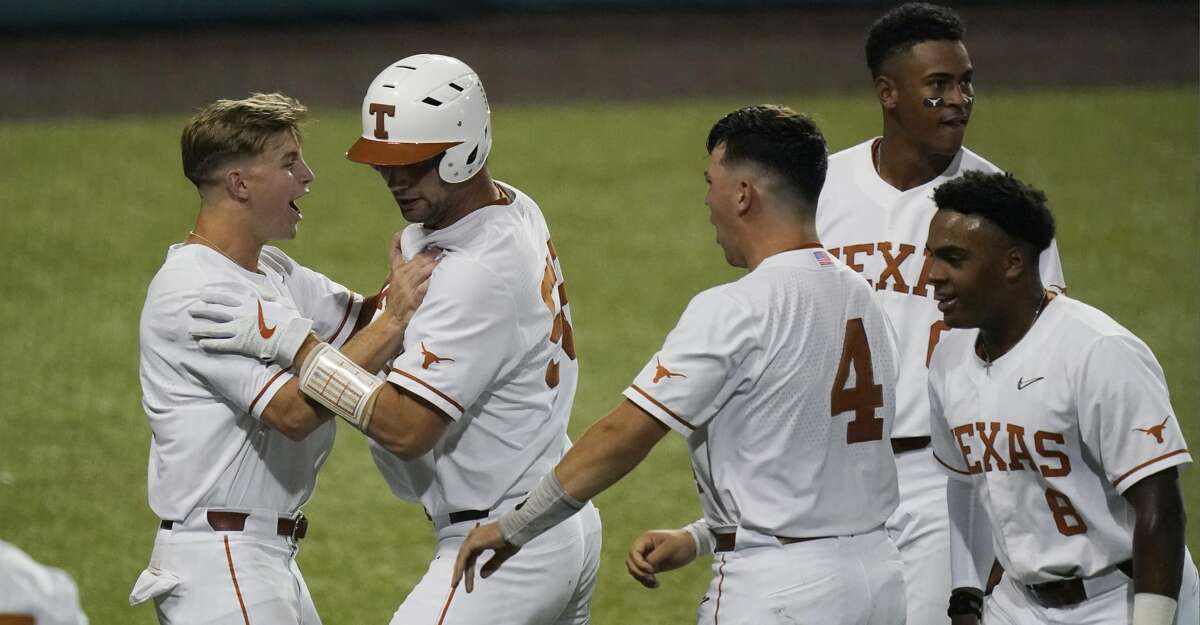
(1011,604)
(198,576)
(549,582)
(920,528)
(854,580)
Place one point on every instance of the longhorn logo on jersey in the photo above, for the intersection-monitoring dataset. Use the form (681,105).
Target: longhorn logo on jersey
(431,358)
(661,372)
(1156,430)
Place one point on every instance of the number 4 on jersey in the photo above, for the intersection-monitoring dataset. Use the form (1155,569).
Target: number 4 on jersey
(865,396)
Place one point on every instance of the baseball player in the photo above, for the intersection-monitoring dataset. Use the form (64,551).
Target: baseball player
(35,594)
(782,382)
(1055,425)
(236,442)
(490,351)
(874,215)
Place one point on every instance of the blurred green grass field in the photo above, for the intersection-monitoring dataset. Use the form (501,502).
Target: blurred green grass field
(89,208)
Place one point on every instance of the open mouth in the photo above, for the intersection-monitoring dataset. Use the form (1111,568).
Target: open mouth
(296,208)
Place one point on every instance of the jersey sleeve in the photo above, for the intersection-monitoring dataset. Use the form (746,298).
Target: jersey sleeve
(947,450)
(460,339)
(332,307)
(700,364)
(1125,414)
(1050,266)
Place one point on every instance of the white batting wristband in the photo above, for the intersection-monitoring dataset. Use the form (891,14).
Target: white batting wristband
(337,383)
(704,538)
(548,505)
(1153,609)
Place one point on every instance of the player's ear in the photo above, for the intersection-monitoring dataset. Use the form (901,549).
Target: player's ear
(885,90)
(234,180)
(747,195)
(1014,263)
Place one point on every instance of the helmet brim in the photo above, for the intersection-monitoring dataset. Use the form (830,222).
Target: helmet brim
(371,152)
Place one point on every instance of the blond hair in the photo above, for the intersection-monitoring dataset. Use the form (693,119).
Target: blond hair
(229,129)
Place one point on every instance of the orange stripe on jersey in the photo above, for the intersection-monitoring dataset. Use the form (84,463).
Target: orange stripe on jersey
(661,406)
(264,388)
(935,457)
(428,386)
(236,589)
(16,619)
(349,307)
(1149,462)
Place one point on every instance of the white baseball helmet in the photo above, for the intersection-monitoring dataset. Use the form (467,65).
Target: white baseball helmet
(422,106)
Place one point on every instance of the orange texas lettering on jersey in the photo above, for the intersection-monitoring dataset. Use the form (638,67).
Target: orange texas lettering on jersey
(1051,462)
(894,257)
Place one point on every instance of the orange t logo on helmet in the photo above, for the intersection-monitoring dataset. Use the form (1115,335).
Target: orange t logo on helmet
(379,111)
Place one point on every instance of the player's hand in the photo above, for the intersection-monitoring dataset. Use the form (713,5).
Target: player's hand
(407,281)
(481,539)
(267,331)
(658,551)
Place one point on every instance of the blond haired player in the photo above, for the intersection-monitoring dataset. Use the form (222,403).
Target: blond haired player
(237,443)
(874,215)
(782,382)
(1055,425)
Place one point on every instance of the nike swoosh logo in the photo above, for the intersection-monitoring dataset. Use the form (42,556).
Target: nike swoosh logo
(1021,383)
(263,330)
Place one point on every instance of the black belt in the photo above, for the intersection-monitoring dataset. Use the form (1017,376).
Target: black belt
(728,542)
(464,515)
(910,443)
(226,521)
(1068,592)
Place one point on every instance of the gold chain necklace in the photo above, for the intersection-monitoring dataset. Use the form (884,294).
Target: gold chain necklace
(214,246)
(987,358)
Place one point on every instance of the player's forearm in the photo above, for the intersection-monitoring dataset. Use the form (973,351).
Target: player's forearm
(1158,541)
(405,425)
(609,450)
(294,415)
(376,344)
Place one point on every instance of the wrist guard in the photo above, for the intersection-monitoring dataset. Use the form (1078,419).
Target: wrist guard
(966,601)
(336,382)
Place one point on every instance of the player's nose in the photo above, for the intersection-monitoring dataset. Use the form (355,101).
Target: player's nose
(307,175)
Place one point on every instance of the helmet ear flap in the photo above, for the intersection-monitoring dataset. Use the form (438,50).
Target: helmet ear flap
(463,161)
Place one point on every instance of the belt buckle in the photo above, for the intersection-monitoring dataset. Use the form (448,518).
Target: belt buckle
(299,526)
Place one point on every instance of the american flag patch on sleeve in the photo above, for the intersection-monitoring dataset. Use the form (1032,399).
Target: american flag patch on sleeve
(822,258)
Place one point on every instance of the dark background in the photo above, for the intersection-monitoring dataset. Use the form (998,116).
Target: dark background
(86,59)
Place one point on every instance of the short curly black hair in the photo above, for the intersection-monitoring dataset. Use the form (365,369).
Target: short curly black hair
(778,139)
(907,25)
(1017,208)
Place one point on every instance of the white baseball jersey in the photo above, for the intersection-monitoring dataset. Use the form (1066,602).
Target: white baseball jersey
(1051,434)
(783,383)
(210,449)
(491,346)
(880,232)
(44,594)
